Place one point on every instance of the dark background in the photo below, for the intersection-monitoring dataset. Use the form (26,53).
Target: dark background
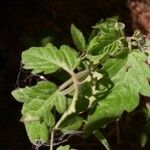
(23,23)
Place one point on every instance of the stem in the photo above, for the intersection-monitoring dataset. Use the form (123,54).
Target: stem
(71,108)
(68,90)
(128,39)
(52,140)
(66,84)
(70,81)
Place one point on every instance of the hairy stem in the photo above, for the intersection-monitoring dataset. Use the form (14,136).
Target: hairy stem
(68,90)
(71,108)
(72,84)
(52,140)
(79,75)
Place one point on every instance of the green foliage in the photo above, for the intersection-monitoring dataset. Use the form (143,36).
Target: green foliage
(102,139)
(37,132)
(71,124)
(106,80)
(66,147)
(49,59)
(42,90)
(108,39)
(78,38)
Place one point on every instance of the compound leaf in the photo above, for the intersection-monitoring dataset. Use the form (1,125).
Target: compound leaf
(120,76)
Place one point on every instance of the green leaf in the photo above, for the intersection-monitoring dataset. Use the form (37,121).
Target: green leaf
(114,65)
(71,123)
(83,98)
(40,107)
(49,118)
(97,59)
(46,40)
(42,90)
(66,147)
(108,42)
(37,132)
(102,139)
(68,58)
(115,76)
(38,101)
(78,38)
(104,26)
(136,72)
(143,139)
(130,78)
(122,98)
(108,38)
(49,59)
(109,26)
(60,103)
(139,72)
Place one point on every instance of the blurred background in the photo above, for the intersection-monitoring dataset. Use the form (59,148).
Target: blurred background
(24,23)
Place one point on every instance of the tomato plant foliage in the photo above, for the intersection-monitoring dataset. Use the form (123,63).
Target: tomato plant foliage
(108,73)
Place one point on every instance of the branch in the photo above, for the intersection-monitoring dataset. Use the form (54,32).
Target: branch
(79,75)
(74,79)
(52,140)
(71,108)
